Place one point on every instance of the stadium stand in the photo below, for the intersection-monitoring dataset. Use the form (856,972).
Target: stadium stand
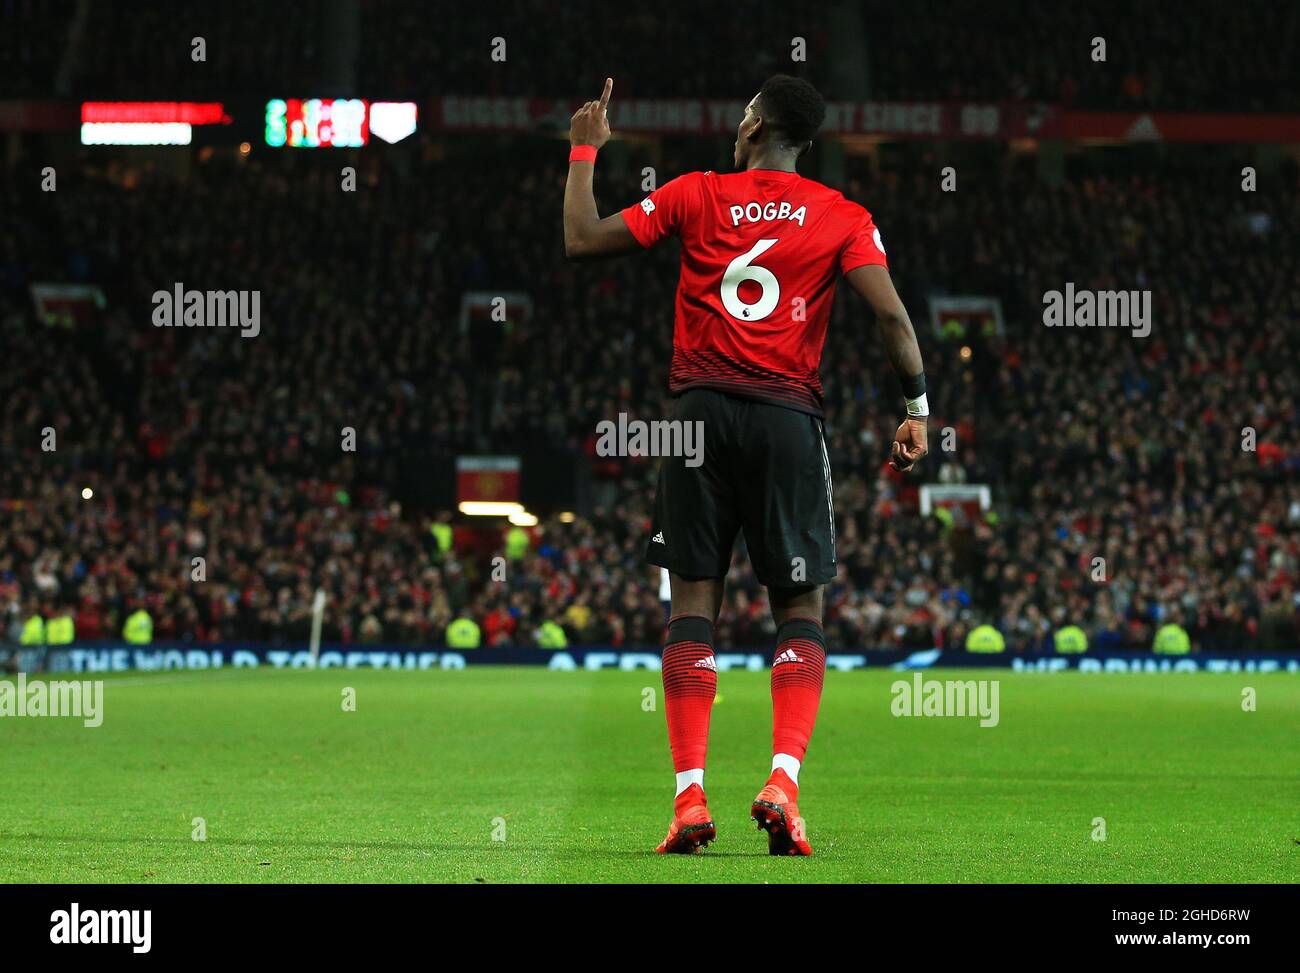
(1211,57)
(1096,444)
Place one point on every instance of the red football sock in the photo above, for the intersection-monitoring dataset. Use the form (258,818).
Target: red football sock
(798,669)
(690,683)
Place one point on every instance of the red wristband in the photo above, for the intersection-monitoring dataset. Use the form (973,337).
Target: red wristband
(582,153)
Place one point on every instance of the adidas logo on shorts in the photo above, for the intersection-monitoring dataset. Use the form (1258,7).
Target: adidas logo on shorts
(658,539)
(786,656)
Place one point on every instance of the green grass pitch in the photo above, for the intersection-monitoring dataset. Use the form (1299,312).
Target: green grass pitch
(574,774)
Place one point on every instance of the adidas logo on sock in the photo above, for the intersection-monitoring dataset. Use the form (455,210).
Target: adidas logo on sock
(786,656)
(707,663)
(658,539)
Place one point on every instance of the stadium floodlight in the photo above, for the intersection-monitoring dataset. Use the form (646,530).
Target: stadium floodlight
(490,508)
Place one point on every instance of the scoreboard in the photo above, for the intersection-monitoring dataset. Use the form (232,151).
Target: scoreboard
(343,123)
(318,122)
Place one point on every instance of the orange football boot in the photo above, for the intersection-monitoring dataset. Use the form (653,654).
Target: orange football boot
(692,825)
(776,813)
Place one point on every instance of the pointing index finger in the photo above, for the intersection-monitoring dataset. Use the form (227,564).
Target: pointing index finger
(604,95)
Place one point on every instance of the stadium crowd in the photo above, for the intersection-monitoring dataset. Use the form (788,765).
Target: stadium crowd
(205,444)
(1210,57)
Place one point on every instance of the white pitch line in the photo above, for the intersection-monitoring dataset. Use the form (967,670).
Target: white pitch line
(160,680)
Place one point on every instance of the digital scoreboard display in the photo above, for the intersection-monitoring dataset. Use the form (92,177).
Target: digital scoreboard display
(311,123)
(146,122)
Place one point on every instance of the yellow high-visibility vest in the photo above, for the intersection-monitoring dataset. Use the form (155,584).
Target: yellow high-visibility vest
(463,633)
(985,638)
(138,629)
(516,543)
(1071,638)
(60,630)
(33,631)
(1172,639)
(551,636)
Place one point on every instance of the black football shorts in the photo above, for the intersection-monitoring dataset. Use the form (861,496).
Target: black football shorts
(765,470)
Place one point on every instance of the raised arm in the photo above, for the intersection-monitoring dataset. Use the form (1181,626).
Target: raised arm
(585,233)
(873,284)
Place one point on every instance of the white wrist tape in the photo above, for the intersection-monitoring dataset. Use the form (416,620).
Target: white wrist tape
(919,407)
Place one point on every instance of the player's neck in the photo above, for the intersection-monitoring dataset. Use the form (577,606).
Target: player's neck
(779,161)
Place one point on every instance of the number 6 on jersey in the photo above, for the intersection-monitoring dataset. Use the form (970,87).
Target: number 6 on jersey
(740,270)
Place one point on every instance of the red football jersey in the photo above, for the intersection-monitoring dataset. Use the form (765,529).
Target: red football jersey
(761,253)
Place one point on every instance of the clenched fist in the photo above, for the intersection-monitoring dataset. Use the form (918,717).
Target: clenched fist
(909,444)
